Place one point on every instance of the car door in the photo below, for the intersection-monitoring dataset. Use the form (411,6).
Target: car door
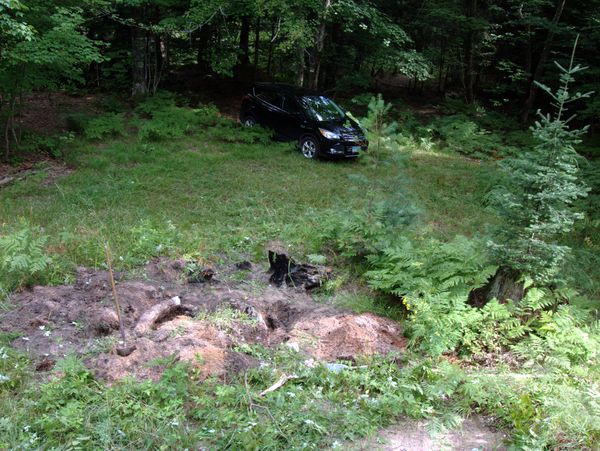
(269,110)
(291,118)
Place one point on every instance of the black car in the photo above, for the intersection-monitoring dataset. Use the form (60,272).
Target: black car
(319,125)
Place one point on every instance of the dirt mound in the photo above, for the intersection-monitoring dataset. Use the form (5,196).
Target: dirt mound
(182,339)
(169,319)
(344,336)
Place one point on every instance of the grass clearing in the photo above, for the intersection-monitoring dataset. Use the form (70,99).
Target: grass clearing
(185,196)
(211,197)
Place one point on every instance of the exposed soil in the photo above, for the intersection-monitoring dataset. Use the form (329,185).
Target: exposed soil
(408,435)
(39,165)
(168,318)
(44,112)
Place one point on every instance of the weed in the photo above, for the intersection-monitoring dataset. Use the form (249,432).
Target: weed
(226,318)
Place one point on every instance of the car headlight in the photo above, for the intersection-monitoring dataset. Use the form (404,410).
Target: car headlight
(329,135)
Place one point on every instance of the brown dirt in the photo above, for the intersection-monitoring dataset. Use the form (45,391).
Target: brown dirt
(410,435)
(44,112)
(39,165)
(80,319)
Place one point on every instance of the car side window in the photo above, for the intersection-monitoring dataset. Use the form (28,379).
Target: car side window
(290,105)
(270,97)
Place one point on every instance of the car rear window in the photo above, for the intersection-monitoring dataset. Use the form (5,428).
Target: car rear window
(270,97)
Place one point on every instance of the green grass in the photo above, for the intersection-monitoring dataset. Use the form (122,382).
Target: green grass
(187,196)
(451,190)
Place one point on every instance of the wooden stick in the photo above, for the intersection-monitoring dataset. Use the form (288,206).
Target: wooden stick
(282,380)
(111,278)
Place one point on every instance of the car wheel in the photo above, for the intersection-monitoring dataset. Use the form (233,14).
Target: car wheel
(309,147)
(249,121)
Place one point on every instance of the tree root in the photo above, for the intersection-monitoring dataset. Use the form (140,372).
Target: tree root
(159,313)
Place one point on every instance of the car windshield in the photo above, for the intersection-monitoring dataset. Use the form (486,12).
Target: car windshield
(320,108)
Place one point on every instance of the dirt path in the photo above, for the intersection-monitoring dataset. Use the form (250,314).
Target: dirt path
(473,434)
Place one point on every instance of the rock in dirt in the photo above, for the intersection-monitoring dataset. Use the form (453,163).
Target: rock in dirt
(126,350)
(285,269)
(105,321)
(244,266)
(201,275)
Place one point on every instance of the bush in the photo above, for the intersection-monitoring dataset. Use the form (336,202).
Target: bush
(165,120)
(76,122)
(462,134)
(53,146)
(107,125)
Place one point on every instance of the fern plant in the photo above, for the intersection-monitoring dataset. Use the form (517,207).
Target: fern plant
(23,260)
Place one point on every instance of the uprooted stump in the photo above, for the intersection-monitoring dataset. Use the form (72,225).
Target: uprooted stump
(161,312)
(285,269)
(504,285)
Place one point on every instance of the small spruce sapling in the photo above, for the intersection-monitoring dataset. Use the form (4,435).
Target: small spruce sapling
(383,138)
(536,201)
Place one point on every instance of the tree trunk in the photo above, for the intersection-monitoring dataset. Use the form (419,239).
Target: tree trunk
(203,43)
(138,54)
(256,46)
(244,59)
(301,66)
(471,9)
(504,285)
(539,69)
(270,53)
(318,48)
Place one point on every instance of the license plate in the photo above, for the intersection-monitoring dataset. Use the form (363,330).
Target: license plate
(355,149)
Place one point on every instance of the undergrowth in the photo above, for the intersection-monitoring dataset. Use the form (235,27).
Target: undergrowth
(319,408)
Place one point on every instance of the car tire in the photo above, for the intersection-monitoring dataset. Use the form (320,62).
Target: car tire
(249,121)
(309,146)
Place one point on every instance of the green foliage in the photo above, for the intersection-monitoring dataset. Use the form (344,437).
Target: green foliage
(169,121)
(54,146)
(382,135)
(151,240)
(414,267)
(545,409)
(74,410)
(104,126)
(13,367)
(464,135)
(23,259)
(76,122)
(227,318)
(537,196)
(561,339)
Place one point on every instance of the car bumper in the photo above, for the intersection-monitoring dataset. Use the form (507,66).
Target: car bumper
(344,149)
